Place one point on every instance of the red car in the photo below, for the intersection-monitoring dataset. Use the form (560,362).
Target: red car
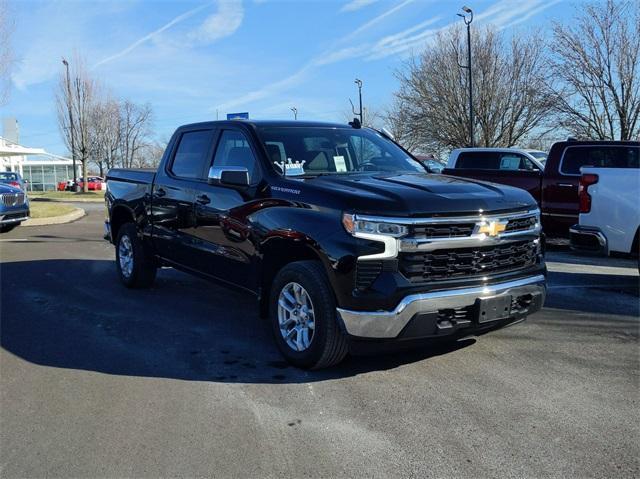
(95,184)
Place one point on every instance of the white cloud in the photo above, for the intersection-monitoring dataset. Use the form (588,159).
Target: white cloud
(354,5)
(502,14)
(221,24)
(325,58)
(376,20)
(151,35)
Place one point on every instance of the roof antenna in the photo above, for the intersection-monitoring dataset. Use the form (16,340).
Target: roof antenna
(355,123)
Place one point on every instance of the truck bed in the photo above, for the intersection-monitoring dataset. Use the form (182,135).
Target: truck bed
(132,175)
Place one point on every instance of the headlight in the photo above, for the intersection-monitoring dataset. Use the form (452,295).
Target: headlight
(354,225)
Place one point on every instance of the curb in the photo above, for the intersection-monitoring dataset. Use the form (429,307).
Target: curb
(70,200)
(55,220)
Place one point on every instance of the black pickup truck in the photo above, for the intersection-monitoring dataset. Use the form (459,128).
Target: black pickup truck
(340,234)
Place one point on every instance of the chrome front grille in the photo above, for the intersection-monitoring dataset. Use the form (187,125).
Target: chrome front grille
(455,263)
(443,248)
(12,199)
(521,224)
(453,230)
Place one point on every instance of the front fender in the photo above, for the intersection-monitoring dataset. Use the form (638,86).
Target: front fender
(316,230)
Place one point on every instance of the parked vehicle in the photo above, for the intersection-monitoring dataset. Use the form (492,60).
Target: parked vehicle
(554,186)
(431,164)
(14,207)
(12,178)
(540,156)
(609,208)
(338,231)
(94,184)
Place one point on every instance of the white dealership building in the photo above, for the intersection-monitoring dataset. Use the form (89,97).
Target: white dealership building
(41,169)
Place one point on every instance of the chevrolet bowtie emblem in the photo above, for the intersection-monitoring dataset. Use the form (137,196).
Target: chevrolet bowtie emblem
(493,228)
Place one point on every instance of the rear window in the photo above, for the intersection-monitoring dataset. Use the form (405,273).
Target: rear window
(479,160)
(192,154)
(575,157)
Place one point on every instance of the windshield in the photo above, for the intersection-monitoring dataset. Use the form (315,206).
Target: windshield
(8,176)
(541,156)
(314,151)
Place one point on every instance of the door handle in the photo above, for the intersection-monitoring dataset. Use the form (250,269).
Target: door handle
(203,200)
(565,185)
(160,192)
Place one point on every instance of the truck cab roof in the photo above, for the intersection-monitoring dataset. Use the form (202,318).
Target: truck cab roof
(268,124)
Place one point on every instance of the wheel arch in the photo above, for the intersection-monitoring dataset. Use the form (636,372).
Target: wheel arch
(120,214)
(276,253)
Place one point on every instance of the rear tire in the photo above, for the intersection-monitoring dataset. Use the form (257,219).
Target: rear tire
(7,228)
(136,266)
(323,344)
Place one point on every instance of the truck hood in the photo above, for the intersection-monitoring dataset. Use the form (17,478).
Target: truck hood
(408,194)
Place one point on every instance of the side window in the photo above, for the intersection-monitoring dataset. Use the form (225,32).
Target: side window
(479,160)
(509,161)
(192,154)
(234,150)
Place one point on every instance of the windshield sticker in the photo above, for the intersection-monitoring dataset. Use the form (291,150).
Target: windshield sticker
(340,163)
(291,168)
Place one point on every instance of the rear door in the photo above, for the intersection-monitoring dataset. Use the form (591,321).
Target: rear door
(507,168)
(173,195)
(223,231)
(560,186)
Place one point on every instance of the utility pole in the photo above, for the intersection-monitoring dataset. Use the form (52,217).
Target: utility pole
(295,112)
(71,126)
(359,113)
(467,22)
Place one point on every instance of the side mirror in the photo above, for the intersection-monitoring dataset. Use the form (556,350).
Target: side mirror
(228,176)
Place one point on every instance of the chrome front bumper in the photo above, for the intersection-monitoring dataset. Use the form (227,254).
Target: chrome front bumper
(9,221)
(389,324)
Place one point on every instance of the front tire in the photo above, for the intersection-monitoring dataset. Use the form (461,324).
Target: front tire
(7,228)
(136,266)
(303,317)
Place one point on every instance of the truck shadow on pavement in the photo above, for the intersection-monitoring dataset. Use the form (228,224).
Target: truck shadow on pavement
(75,314)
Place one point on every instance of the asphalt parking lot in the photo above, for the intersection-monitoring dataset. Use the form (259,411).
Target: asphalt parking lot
(184,380)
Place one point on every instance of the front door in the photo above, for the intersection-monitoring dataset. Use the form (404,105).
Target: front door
(223,229)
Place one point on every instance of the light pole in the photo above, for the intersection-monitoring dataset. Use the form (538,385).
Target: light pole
(467,21)
(70,108)
(361,113)
(295,112)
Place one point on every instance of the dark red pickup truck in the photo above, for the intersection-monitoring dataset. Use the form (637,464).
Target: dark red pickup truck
(553,184)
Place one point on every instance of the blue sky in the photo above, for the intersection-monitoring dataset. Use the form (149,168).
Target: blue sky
(191,58)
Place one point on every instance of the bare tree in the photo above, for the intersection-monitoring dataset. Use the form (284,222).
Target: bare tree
(396,120)
(150,154)
(135,129)
(80,97)
(510,94)
(598,65)
(105,134)
(6,52)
